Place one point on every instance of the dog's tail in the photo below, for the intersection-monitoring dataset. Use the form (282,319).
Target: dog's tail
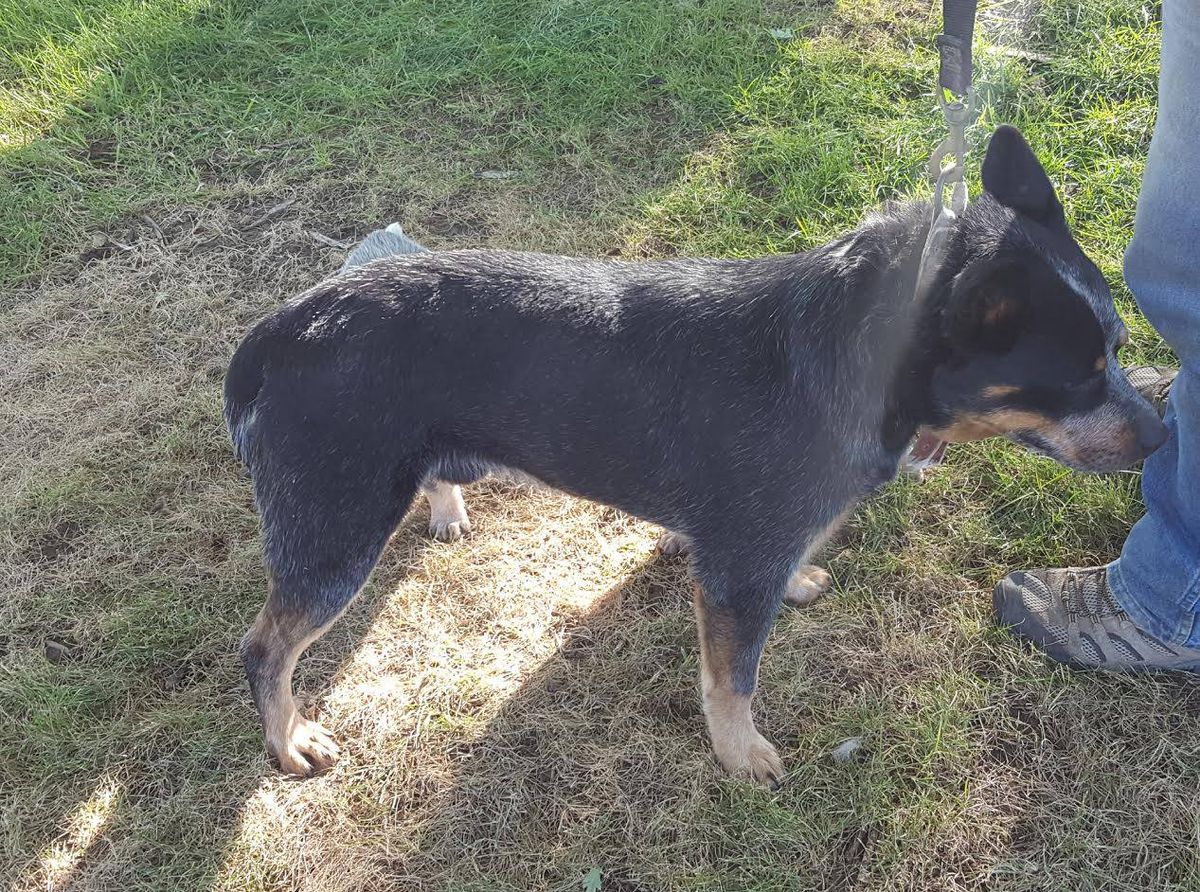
(243,381)
(381,243)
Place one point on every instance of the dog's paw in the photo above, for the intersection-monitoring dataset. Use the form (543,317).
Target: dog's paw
(446,530)
(448,520)
(752,757)
(807,585)
(308,751)
(671,544)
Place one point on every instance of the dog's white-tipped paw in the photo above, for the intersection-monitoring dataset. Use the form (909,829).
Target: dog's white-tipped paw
(807,585)
(447,512)
(671,544)
(449,531)
(752,758)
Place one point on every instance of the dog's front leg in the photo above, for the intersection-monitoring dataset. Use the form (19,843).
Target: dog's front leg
(732,633)
(807,585)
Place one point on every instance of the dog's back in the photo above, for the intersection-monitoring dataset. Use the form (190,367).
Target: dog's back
(510,359)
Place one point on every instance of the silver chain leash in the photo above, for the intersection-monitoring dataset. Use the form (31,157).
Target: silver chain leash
(957,113)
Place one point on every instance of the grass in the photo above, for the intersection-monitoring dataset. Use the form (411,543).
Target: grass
(519,709)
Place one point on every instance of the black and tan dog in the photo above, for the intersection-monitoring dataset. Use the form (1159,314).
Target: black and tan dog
(747,406)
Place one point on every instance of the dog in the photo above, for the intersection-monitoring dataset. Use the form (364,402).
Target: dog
(745,406)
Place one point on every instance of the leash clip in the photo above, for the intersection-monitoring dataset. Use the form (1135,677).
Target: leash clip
(926,450)
(957,101)
(957,113)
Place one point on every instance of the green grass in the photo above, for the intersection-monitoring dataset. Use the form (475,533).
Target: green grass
(519,709)
(161,101)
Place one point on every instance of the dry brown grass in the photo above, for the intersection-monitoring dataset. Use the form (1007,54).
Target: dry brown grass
(131,563)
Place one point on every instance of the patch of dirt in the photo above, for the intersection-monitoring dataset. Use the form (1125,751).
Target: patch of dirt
(56,543)
(651,247)
(101,151)
(448,223)
(851,851)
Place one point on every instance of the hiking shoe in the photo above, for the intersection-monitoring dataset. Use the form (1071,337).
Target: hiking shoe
(1072,616)
(1153,382)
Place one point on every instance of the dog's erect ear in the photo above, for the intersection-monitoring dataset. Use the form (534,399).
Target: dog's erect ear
(1015,178)
(988,307)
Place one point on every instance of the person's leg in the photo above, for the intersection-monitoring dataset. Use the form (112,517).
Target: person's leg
(1157,577)
(1141,611)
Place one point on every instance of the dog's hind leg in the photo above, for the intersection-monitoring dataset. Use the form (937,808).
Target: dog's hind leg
(319,553)
(448,519)
(733,618)
(270,650)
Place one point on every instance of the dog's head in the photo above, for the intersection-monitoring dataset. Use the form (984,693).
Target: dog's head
(1029,330)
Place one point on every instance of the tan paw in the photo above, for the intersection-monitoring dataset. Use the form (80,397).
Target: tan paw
(807,585)
(671,544)
(309,750)
(751,756)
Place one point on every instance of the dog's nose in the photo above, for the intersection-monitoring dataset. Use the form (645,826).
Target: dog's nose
(1151,433)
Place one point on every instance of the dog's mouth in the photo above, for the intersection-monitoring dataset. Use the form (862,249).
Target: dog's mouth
(927,450)
(1098,462)
(928,447)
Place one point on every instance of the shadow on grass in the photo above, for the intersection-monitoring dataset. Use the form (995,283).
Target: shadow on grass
(160,802)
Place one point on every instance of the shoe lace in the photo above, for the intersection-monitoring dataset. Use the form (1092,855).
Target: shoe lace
(1078,603)
(1104,607)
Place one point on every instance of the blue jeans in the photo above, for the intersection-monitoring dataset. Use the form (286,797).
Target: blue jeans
(1157,577)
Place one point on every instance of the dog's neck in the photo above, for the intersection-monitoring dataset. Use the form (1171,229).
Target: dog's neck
(855,319)
(909,408)
(892,341)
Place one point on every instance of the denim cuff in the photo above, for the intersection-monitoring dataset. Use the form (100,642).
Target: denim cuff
(1181,629)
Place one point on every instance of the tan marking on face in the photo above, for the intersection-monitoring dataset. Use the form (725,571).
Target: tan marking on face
(1101,364)
(980,426)
(1000,391)
(1083,447)
(738,746)
(1086,442)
